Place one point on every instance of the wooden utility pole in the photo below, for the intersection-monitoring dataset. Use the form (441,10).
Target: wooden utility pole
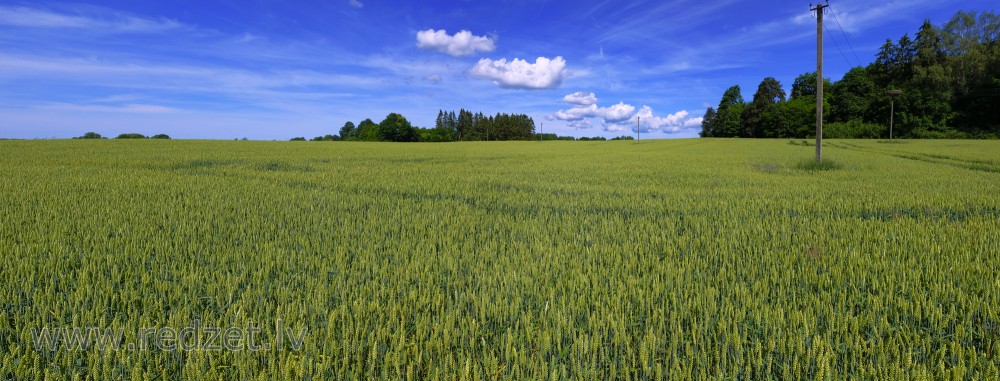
(892,108)
(819,78)
(637,129)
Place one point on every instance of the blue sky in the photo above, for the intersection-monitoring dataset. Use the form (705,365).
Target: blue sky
(278,69)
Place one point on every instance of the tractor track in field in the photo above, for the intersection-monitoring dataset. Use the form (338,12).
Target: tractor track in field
(974,165)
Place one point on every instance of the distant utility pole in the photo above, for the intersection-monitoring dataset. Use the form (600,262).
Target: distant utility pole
(637,129)
(892,108)
(819,9)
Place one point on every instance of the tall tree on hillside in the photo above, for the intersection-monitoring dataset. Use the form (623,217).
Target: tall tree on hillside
(465,128)
(851,98)
(882,69)
(769,93)
(708,123)
(728,115)
(444,128)
(973,44)
(929,92)
(395,128)
(368,131)
(929,47)
(348,131)
(905,52)
(479,126)
(796,117)
(440,121)
(805,85)
(528,131)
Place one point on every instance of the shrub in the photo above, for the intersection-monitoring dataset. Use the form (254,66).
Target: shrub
(90,135)
(131,135)
(823,165)
(854,129)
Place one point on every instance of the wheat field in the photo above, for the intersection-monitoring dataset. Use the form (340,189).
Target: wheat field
(692,259)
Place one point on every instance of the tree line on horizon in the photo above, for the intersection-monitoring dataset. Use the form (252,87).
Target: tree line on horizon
(129,135)
(466,126)
(946,81)
(448,127)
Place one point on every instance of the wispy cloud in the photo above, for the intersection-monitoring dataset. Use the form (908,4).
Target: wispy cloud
(257,87)
(130,108)
(637,21)
(855,16)
(106,22)
(31,17)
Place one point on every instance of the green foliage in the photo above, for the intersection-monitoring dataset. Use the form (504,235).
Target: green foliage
(855,129)
(368,131)
(434,135)
(852,97)
(552,137)
(727,121)
(474,127)
(131,136)
(326,138)
(948,77)
(624,137)
(298,139)
(90,135)
(348,131)
(760,117)
(395,128)
(794,119)
(823,165)
(447,127)
(708,123)
(674,259)
(805,85)
(160,136)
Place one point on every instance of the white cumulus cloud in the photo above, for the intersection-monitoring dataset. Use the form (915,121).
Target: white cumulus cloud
(581,99)
(648,121)
(462,43)
(622,116)
(520,74)
(615,113)
(577,113)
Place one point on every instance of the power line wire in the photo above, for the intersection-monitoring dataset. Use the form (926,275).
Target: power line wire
(848,61)
(835,19)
